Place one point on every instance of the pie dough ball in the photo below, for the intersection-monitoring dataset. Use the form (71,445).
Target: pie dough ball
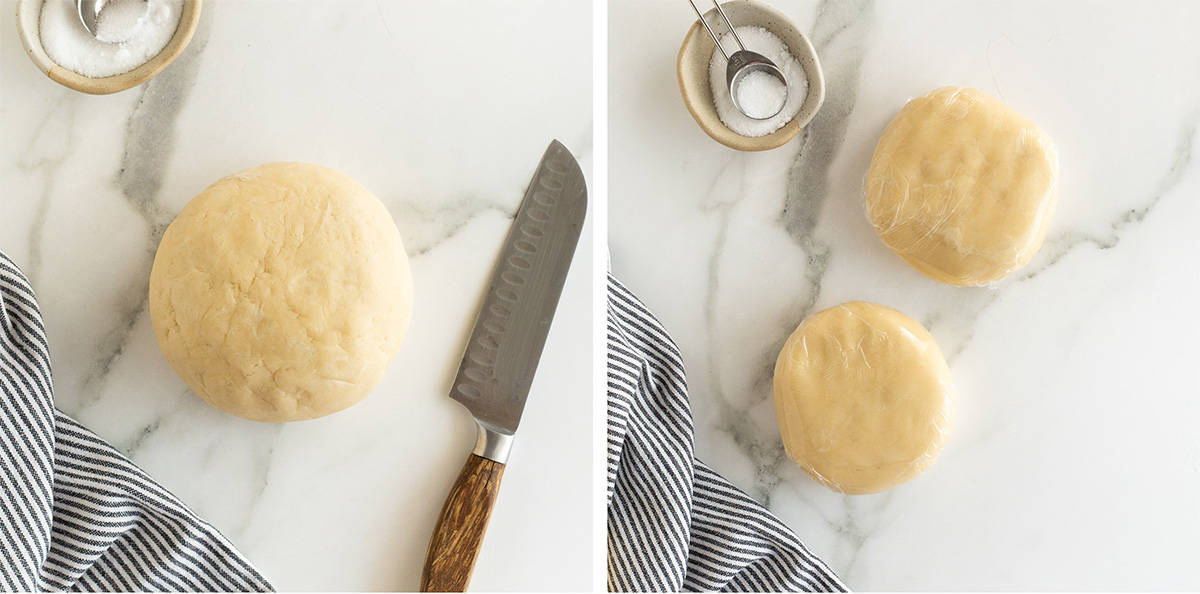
(962,187)
(281,293)
(863,396)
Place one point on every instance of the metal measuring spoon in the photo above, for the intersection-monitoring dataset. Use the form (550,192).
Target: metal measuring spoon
(89,13)
(742,63)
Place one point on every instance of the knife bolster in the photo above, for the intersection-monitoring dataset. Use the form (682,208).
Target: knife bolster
(492,444)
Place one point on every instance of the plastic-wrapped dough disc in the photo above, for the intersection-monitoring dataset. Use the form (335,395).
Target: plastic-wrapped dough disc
(962,187)
(863,397)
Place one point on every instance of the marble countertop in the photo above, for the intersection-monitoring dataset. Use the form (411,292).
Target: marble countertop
(346,502)
(1075,461)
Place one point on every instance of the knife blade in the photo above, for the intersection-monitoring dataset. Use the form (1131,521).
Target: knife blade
(510,331)
(502,355)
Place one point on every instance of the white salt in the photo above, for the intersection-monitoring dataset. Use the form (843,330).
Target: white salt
(141,32)
(121,19)
(758,96)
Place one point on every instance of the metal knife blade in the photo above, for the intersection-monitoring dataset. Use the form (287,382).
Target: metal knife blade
(505,346)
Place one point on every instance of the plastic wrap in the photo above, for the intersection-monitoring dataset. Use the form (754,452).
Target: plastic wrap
(962,187)
(863,397)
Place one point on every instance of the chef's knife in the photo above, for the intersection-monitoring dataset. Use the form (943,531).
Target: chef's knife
(502,355)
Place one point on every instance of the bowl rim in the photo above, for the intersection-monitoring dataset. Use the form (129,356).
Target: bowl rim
(29,15)
(713,126)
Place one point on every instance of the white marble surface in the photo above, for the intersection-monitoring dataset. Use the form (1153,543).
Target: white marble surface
(1075,462)
(346,502)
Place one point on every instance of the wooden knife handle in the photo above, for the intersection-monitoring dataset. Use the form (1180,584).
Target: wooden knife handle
(460,528)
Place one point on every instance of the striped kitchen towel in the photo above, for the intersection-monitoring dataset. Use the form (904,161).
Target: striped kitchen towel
(75,514)
(673,523)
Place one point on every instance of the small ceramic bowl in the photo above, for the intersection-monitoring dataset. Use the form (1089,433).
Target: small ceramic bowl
(28,14)
(696,53)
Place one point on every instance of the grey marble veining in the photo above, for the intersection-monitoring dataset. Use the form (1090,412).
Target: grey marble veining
(346,502)
(1059,246)
(1072,375)
(840,33)
(148,150)
(427,229)
(50,146)
(732,419)
(852,528)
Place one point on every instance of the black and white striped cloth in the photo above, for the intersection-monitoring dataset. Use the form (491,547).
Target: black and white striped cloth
(673,523)
(75,514)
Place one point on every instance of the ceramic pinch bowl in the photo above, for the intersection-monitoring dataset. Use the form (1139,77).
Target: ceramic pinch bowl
(697,51)
(29,13)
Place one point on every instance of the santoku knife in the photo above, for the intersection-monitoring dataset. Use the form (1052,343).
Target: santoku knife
(502,355)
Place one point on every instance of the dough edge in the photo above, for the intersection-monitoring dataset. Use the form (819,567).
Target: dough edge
(177,351)
(919,464)
(1036,237)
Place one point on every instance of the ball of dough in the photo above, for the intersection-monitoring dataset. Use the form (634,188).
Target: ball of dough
(863,397)
(281,293)
(962,187)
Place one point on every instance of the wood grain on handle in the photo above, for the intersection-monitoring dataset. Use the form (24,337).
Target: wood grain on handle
(459,531)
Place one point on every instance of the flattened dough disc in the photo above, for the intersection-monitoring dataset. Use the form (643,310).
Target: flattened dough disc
(863,397)
(962,187)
